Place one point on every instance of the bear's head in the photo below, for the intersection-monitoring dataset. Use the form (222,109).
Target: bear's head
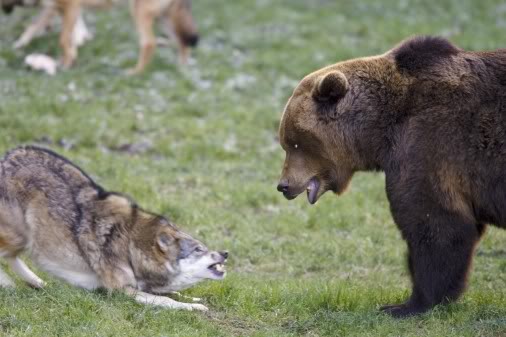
(317,159)
(331,123)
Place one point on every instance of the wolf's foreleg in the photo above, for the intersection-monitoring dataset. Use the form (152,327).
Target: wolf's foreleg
(162,301)
(193,299)
(5,280)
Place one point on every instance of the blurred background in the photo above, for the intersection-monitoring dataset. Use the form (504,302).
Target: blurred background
(198,142)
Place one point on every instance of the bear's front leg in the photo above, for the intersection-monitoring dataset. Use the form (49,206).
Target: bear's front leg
(439,255)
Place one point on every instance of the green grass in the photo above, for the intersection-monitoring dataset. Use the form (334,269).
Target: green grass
(208,158)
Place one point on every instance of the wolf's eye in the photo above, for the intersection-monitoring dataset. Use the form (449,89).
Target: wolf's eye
(198,249)
(296,146)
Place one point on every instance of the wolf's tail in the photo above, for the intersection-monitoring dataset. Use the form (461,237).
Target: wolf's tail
(7,8)
(9,5)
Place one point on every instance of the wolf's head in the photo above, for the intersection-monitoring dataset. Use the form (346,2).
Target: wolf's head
(163,257)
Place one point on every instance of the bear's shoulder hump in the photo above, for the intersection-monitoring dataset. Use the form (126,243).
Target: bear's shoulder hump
(422,52)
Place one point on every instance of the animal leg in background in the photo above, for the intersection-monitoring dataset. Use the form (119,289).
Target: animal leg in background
(147,41)
(81,33)
(37,27)
(70,15)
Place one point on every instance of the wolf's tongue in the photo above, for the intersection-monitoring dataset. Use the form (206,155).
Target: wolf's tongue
(313,187)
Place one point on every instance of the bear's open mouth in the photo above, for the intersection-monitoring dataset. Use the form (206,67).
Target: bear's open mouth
(312,190)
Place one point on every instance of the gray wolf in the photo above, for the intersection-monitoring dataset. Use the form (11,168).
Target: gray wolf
(77,231)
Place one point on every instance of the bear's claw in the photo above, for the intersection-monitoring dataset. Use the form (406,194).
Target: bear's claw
(402,310)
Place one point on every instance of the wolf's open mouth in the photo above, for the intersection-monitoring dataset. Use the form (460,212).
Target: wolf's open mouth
(218,269)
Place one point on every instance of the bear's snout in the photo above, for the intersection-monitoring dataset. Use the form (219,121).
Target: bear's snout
(283,186)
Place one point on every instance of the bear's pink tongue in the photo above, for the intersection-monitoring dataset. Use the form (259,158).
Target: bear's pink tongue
(312,190)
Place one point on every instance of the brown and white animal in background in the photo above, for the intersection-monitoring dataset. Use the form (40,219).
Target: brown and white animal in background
(74,229)
(80,33)
(175,16)
(177,22)
(50,9)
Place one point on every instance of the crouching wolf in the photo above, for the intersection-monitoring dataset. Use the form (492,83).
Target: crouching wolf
(74,229)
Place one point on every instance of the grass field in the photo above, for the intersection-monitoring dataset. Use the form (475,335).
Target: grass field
(199,144)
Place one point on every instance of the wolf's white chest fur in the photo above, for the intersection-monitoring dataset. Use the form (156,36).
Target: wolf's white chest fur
(80,274)
(77,274)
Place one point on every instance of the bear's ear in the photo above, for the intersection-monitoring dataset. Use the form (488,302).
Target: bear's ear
(330,87)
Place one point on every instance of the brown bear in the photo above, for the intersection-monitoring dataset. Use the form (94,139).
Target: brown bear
(433,118)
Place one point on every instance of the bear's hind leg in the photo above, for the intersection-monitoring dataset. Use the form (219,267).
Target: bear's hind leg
(439,257)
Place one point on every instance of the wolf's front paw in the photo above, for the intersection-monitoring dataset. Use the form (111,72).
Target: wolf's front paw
(198,306)
(193,299)
(37,284)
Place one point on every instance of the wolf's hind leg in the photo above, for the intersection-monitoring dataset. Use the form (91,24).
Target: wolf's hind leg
(22,270)
(5,280)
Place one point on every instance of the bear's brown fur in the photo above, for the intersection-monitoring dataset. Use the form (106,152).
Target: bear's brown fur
(433,118)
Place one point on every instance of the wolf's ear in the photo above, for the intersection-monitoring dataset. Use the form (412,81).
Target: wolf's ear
(114,208)
(165,241)
(116,204)
(330,87)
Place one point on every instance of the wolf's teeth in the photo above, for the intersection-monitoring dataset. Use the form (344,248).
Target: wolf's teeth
(220,267)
